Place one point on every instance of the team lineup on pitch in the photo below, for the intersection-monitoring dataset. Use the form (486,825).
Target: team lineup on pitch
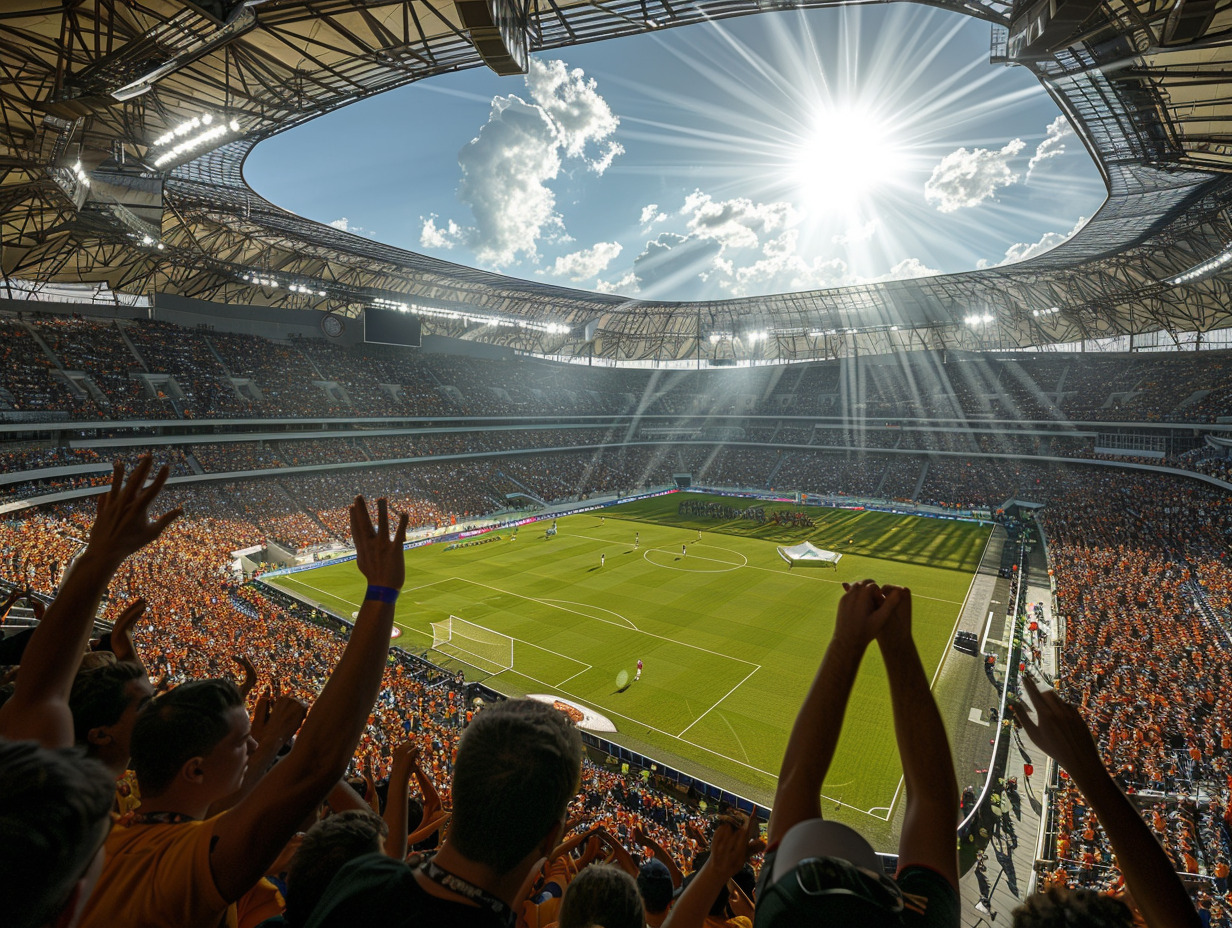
(719,636)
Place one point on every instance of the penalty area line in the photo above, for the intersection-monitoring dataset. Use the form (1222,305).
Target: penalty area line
(701,747)
(720,699)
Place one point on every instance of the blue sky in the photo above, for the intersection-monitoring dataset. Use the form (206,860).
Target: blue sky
(758,155)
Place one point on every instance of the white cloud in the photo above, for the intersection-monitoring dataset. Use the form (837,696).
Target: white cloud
(440,237)
(737,223)
(345,225)
(651,215)
(1052,145)
(584,264)
(855,234)
(575,109)
(740,247)
(1024,250)
(905,270)
(508,168)
(966,178)
(627,284)
(674,263)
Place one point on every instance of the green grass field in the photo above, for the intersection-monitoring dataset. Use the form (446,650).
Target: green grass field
(729,637)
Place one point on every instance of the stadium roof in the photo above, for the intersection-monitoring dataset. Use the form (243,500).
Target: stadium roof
(99,187)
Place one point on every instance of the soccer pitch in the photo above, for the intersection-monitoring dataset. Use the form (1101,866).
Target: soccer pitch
(730,639)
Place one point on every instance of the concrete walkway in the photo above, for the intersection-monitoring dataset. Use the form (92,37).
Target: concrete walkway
(1011,849)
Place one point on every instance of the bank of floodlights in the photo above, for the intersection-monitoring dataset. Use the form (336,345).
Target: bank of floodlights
(1205,269)
(269,281)
(977,319)
(1050,311)
(473,318)
(201,132)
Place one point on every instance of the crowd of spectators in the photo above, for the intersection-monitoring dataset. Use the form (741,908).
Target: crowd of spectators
(225,375)
(1135,556)
(1142,574)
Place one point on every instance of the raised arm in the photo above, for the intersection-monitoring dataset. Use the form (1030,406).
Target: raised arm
(122,632)
(250,673)
(285,717)
(251,835)
(927,837)
(38,709)
(1149,875)
(810,749)
(406,759)
(661,853)
(428,794)
(735,840)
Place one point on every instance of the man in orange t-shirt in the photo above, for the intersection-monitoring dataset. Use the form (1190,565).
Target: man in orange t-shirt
(172,864)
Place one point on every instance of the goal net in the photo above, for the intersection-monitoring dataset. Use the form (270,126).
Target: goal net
(473,644)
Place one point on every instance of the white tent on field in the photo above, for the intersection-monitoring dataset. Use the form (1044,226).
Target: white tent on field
(807,554)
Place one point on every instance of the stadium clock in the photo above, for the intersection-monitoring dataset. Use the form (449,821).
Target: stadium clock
(332,325)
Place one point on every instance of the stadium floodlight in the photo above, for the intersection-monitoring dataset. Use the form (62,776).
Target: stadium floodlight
(1052,310)
(473,318)
(976,319)
(1205,269)
(192,134)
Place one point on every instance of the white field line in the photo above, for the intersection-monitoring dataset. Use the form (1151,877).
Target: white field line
(720,699)
(595,618)
(571,602)
(571,660)
(794,573)
(701,747)
(337,598)
(669,549)
(333,596)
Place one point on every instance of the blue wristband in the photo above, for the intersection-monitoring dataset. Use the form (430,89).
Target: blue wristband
(382,594)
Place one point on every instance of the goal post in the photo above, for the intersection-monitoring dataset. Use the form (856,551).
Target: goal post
(473,644)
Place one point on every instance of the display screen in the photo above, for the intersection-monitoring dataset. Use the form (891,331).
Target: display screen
(391,327)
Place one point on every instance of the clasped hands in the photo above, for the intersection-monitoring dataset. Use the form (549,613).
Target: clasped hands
(870,612)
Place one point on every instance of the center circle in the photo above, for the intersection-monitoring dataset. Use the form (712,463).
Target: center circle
(670,559)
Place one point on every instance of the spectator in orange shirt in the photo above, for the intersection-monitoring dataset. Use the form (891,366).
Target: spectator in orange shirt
(175,863)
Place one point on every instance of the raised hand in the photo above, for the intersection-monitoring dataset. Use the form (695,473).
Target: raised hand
(897,626)
(128,618)
(378,556)
(250,674)
(122,525)
(1058,729)
(863,611)
(407,755)
(735,840)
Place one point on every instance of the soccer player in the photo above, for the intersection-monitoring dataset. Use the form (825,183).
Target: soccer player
(699,536)
(637,676)
(637,540)
(602,559)
(684,550)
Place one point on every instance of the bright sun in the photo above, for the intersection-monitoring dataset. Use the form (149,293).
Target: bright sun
(847,155)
